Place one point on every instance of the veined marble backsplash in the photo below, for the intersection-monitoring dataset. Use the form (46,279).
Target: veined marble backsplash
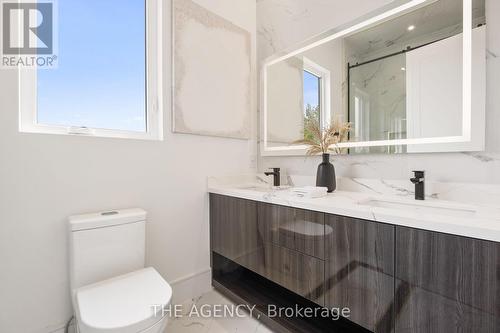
(467,193)
(482,194)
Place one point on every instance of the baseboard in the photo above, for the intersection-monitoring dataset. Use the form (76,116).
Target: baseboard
(72,329)
(191,286)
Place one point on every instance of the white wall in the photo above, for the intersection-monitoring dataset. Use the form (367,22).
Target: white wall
(45,178)
(284,23)
(285,87)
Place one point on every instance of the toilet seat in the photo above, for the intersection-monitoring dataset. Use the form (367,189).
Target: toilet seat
(123,304)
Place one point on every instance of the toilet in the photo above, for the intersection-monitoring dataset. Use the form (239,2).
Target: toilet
(111,290)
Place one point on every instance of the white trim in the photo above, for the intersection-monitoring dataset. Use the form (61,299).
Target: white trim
(62,328)
(154,109)
(190,276)
(467,71)
(191,286)
(404,8)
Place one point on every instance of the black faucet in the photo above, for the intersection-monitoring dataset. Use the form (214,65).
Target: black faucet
(419,181)
(276,175)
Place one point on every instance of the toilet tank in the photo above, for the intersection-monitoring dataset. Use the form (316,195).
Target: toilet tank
(104,245)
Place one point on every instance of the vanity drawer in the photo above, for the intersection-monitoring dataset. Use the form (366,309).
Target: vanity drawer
(296,229)
(298,272)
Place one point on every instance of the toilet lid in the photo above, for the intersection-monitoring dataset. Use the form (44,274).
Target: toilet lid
(127,303)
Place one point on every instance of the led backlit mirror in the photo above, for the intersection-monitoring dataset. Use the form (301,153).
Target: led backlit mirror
(409,78)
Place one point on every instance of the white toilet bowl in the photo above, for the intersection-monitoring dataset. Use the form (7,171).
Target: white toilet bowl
(130,303)
(112,292)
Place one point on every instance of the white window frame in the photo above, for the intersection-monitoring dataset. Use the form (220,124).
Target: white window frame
(324,89)
(154,116)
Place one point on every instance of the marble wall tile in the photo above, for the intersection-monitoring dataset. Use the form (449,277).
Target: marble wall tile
(466,193)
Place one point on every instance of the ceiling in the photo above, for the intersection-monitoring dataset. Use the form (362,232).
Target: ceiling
(440,15)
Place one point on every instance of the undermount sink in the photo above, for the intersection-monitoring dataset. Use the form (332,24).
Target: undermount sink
(265,189)
(256,188)
(422,207)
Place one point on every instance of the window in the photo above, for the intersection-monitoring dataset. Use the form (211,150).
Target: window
(316,85)
(107,81)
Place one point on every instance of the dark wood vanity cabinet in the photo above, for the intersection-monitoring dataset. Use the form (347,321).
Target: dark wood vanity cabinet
(243,231)
(392,278)
(446,283)
(360,270)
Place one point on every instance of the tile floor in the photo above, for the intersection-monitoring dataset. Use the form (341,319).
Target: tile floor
(199,324)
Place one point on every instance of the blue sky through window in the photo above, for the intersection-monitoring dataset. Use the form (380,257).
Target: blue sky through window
(100,81)
(311,90)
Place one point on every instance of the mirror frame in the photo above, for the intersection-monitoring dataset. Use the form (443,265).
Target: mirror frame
(385,13)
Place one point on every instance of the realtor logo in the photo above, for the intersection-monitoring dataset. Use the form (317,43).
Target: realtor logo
(34,20)
(28,33)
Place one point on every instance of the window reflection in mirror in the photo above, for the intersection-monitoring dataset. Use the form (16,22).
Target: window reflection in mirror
(312,94)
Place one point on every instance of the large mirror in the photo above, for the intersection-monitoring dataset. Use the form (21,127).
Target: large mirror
(409,78)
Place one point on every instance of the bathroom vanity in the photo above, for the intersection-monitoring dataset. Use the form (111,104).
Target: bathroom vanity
(396,270)
(407,78)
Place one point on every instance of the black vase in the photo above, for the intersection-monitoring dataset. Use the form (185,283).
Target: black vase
(326,174)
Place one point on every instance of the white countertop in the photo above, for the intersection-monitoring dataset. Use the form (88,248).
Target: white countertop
(478,221)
